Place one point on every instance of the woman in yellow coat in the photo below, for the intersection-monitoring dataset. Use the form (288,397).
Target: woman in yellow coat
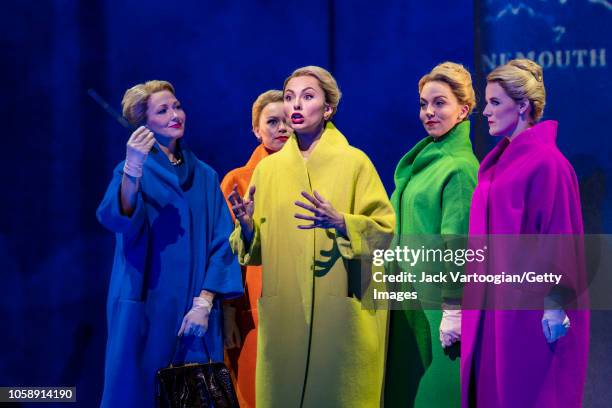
(240,315)
(312,212)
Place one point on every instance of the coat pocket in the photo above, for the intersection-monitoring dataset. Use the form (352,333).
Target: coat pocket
(352,361)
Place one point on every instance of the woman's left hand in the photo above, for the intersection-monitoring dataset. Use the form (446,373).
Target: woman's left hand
(325,216)
(195,322)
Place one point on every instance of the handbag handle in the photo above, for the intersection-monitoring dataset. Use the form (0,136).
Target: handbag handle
(177,349)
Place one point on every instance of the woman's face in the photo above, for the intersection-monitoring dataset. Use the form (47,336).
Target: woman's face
(440,109)
(272,129)
(502,112)
(305,106)
(165,117)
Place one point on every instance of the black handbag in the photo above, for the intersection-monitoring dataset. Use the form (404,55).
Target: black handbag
(194,385)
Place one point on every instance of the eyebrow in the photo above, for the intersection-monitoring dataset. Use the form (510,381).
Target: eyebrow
(165,104)
(303,90)
(434,98)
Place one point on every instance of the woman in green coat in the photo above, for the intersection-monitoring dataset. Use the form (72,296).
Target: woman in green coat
(434,182)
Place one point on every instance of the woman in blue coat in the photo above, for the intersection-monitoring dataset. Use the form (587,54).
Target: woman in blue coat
(173,264)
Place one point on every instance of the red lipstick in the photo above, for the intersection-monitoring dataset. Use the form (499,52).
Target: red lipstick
(297,118)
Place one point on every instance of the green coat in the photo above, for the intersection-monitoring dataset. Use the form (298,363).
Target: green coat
(434,183)
(317,347)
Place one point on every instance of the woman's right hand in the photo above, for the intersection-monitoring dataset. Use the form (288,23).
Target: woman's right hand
(243,209)
(450,325)
(138,147)
(555,324)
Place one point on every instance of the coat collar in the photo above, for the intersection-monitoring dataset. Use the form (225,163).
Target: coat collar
(541,133)
(505,152)
(426,151)
(180,177)
(258,155)
(331,139)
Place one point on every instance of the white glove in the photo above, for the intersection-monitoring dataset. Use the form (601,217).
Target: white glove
(195,321)
(450,327)
(231,333)
(138,147)
(555,324)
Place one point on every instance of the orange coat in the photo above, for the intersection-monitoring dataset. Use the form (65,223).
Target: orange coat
(242,360)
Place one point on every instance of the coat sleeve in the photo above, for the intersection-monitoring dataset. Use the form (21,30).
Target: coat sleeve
(227,185)
(110,214)
(372,222)
(553,204)
(455,217)
(223,274)
(555,196)
(248,254)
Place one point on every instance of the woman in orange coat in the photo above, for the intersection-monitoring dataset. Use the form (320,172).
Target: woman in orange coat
(272,131)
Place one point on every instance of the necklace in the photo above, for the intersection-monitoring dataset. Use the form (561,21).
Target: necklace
(177,161)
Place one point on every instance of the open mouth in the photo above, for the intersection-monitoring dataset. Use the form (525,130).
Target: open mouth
(297,118)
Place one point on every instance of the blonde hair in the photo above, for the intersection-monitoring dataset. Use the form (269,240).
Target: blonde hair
(266,98)
(457,78)
(326,81)
(135,99)
(522,79)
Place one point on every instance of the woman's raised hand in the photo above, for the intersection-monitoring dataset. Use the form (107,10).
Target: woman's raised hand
(243,209)
(138,147)
(324,215)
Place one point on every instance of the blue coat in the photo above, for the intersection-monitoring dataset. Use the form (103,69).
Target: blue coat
(174,245)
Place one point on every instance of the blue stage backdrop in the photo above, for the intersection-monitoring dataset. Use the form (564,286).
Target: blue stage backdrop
(571,40)
(55,258)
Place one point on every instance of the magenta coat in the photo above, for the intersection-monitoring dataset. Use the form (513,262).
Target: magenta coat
(525,186)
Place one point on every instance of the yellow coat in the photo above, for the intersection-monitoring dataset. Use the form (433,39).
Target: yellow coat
(316,346)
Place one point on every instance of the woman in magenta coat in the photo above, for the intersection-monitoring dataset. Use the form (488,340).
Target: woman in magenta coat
(524,358)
